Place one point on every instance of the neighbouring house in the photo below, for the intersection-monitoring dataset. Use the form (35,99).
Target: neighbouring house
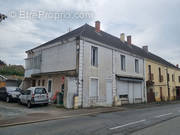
(90,63)
(8,81)
(177,83)
(161,77)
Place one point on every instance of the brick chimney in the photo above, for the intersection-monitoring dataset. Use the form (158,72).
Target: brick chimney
(129,40)
(122,37)
(145,48)
(177,65)
(97,26)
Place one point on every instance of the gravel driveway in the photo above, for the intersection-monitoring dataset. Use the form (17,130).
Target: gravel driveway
(11,110)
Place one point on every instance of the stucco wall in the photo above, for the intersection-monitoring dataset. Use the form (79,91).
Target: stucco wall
(102,72)
(109,64)
(59,58)
(56,82)
(157,84)
(130,65)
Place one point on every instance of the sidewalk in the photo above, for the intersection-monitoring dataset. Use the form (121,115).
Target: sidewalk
(61,114)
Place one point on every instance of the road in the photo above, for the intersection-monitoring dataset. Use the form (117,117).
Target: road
(170,127)
(121,123)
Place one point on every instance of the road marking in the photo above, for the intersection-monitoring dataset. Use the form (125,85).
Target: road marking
(131,123)
(162,115)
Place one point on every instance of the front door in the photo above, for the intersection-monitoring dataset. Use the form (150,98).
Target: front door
(109,92)
(49,88)
(150,95)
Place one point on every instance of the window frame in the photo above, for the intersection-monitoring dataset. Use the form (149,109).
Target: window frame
(136,66)
(94,56)
(123,62)
(39,82)
(168,77)
(43,82)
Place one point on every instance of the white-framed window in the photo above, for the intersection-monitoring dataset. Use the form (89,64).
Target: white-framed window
(136,65)
(123,62)
(94,56)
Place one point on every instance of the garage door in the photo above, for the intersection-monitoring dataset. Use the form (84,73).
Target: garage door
(122,88)
(137,92)
(133,90)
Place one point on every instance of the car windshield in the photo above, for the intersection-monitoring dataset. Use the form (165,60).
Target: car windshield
(40,91)
(12,89)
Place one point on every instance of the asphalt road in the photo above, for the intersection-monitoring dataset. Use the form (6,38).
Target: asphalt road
(121,123)
(170,127)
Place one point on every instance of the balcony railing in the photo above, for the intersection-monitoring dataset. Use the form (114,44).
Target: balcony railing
(32,65)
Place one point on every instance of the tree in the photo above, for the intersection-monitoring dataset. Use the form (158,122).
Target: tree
(12,70)
(2,17)
(2,63)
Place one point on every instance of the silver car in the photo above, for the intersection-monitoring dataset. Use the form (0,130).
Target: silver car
(34,95)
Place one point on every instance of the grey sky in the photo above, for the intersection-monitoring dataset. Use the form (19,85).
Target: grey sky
(152,23)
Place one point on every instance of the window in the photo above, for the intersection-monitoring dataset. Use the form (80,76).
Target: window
(33,83)
(136,65)
(40,91)
(27,92)
(123,62)
(94,56)
(49,85)
(43,82)
(168,79)
(160,76)
(123,96)
(173,77)
(39,82)
(149,70)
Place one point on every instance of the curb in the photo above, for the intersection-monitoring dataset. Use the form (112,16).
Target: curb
(62,117)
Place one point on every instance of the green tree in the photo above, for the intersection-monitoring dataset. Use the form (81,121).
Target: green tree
(12,70)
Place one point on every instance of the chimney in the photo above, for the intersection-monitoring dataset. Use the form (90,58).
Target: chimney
(129,40)
(122,37)
(145,48)
(177,65)
(97,26)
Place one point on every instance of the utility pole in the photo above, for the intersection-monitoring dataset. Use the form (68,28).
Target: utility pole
(2,17)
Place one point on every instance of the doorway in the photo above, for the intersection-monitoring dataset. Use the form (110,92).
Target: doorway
(49,88)
(109,92)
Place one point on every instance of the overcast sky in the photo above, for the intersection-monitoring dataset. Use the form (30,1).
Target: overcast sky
(155,23)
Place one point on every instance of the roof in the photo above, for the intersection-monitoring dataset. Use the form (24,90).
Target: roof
(110,40)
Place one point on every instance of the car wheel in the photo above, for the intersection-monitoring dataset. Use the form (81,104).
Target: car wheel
(29,104)
(19,102)
(46,104)
(7,99)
